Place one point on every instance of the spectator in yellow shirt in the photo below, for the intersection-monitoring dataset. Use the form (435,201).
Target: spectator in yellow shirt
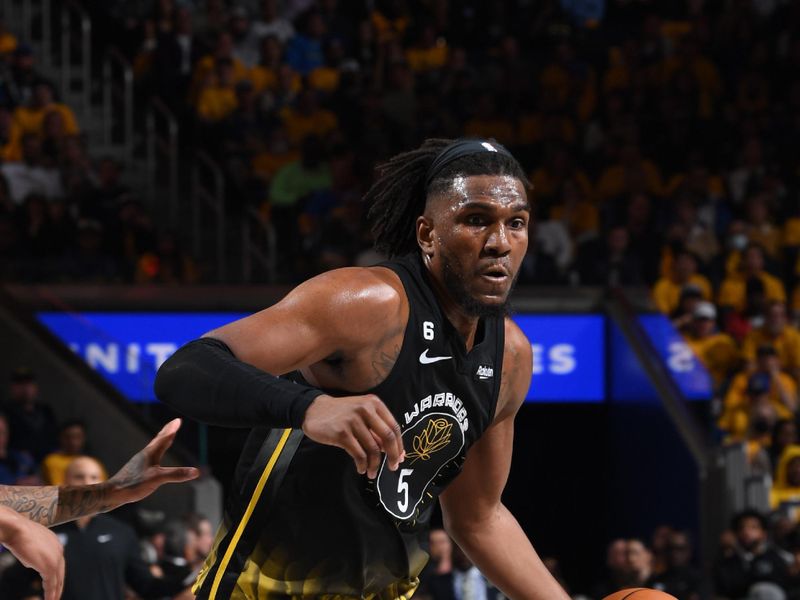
(767,390)
(717,351)
(760,226)
(429,53)
(667,290)
(30,118)
(787,478)
(733,291)
(218,100)
(306,118)
(777,332)
(632,173)
(71,444)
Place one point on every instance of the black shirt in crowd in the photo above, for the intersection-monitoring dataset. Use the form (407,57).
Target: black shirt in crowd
(102,558)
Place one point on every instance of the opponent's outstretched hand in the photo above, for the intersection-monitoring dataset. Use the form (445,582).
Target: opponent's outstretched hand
(361,425)
(143,473)
(36,547)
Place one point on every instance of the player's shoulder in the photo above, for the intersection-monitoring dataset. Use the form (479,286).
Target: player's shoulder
(517,345)
(371,291)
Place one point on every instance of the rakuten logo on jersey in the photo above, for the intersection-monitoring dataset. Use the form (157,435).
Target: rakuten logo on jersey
(558,359)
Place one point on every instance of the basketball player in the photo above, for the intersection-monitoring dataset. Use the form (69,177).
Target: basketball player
(25,512)
(411,370)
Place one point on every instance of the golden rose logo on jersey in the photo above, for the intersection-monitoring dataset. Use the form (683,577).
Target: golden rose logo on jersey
(434,437)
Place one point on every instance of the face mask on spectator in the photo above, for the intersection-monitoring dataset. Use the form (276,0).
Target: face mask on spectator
(737,241)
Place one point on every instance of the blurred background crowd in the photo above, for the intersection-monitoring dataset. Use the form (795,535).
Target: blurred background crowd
(133,554)
(660,139)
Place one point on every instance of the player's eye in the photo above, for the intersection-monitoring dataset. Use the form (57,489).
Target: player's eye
(475,220)
(517,224)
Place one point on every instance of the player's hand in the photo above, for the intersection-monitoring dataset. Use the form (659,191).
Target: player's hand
(143,474)
(37,548)
(361,425)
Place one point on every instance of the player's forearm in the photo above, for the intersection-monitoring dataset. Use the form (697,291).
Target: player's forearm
(501,550)
(205,381)
(51,505)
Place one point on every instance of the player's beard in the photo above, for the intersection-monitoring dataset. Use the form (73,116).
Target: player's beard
(454,282)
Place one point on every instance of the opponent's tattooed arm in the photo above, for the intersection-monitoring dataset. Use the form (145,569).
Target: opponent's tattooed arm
(140,477)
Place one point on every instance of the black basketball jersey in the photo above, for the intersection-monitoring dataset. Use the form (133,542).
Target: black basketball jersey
(303,522)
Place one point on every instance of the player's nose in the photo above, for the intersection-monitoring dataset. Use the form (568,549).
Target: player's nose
(497,242)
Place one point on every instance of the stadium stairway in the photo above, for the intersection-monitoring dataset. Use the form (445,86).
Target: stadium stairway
(115,430)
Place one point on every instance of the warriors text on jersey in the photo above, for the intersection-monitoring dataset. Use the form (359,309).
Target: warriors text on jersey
(303,522)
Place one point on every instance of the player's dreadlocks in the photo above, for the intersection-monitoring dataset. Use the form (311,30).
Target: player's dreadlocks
(398,196)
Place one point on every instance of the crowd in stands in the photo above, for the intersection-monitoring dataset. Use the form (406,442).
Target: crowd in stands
(648,129)
(65,215)
(135,555)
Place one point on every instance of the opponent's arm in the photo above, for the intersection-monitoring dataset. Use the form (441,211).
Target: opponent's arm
(229,376)
(36,547)
(141,475)
(472,509)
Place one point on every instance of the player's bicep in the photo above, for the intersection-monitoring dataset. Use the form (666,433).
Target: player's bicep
(278,339)
(332,312)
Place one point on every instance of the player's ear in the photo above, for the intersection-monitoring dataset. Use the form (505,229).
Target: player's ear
(425,235)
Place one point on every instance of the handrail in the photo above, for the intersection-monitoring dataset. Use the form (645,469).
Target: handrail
(624,317)
(27,21)
(251,250)
(70,11)
(213,199)
(158,110)
(114,56)
(710,463)
(47,35)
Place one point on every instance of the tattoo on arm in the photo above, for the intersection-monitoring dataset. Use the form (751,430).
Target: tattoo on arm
(382,364)
(51,505)
(36,503)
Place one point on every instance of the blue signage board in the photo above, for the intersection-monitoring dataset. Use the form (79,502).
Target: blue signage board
(687,371)
(128,348)
(568,357)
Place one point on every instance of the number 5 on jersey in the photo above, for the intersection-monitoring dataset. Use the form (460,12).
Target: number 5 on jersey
(402,489)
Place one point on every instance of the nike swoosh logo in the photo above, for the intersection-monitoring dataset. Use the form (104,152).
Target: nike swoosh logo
(102,539)
(426,360)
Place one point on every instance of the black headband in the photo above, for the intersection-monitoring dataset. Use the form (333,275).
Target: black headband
(459,148)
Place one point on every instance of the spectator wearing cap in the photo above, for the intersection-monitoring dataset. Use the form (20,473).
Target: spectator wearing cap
(667,290)
(732,293)
(776,332)
(33,427)
(766,390)
(683,315)
(786,487)
(717,351)
(24,75)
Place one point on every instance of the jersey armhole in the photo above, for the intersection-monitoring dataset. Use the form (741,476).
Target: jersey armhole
(500,354)
(406,280)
